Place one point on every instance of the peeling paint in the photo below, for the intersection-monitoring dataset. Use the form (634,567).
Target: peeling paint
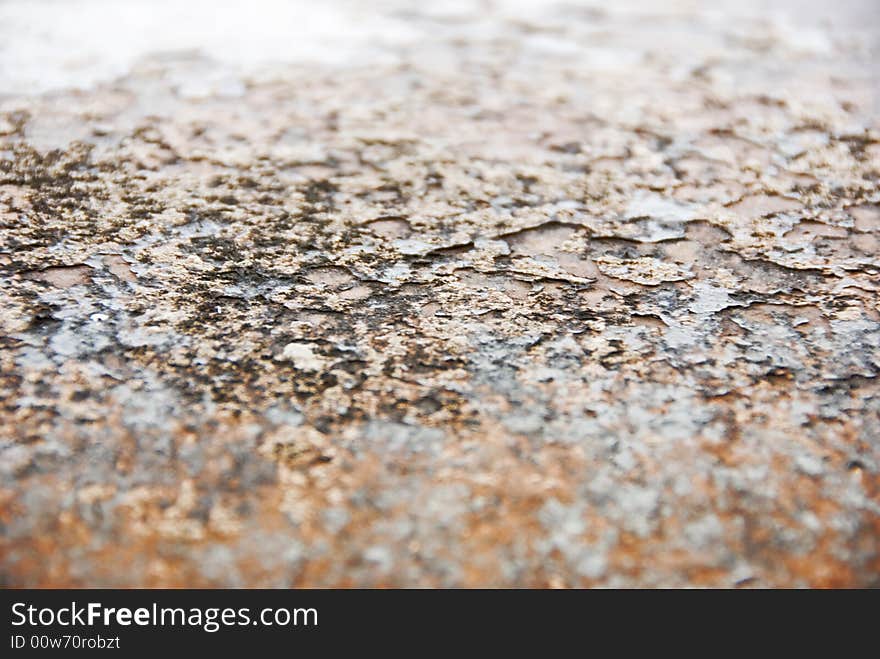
(520,309)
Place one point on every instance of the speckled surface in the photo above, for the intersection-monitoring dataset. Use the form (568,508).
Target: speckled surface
(555,296)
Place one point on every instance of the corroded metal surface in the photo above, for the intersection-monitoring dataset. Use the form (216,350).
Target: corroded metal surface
(555,297)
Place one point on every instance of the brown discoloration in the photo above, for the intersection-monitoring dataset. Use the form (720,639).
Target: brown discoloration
(867,218)
(64,276)
(119,267)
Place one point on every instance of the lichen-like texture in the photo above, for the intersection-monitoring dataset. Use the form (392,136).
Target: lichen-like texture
(555,295)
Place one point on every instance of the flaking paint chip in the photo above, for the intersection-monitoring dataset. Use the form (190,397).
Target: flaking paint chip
(645,270)
(303,357)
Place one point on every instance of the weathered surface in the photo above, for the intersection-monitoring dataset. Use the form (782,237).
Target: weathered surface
(562,297)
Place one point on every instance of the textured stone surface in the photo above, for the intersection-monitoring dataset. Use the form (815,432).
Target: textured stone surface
(533,295)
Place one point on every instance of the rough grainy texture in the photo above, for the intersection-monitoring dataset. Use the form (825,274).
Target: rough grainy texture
(567,297)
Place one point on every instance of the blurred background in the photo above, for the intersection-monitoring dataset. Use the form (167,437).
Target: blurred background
(52,44)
